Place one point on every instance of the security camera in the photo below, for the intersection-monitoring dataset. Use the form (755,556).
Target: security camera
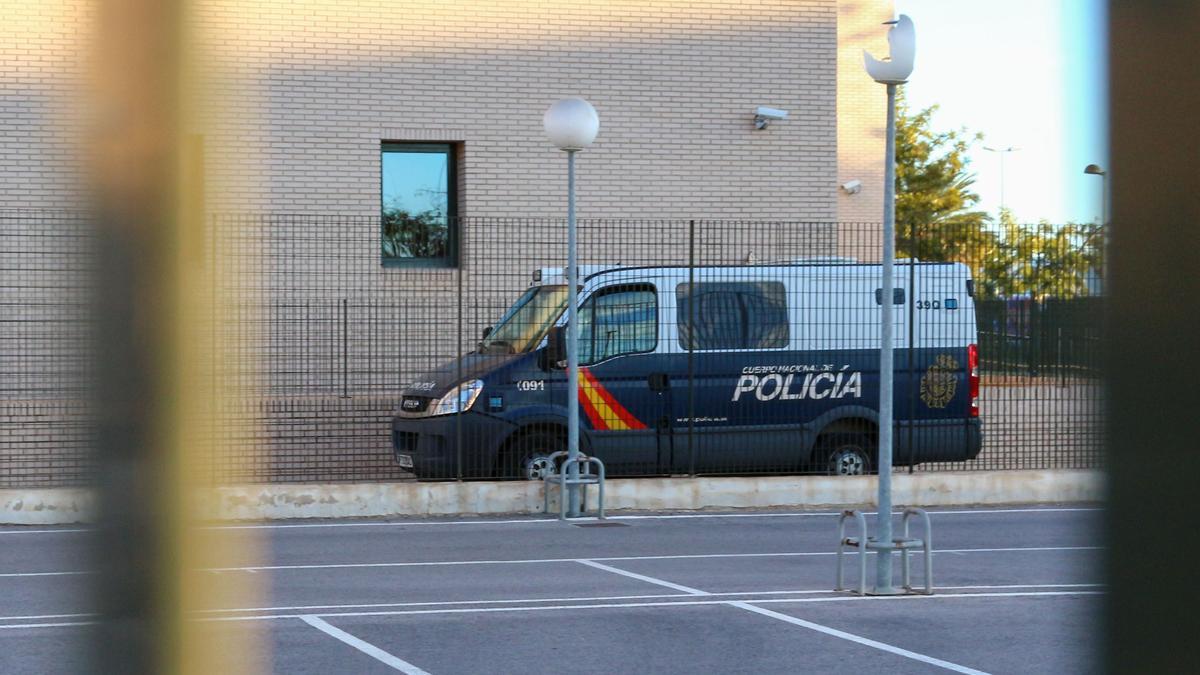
(852,187)
(763,115)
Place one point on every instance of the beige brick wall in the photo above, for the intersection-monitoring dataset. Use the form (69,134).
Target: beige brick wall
(43,49)
(298,95)
(309,89)
(861,115)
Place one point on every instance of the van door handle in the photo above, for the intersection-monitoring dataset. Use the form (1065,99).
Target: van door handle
(659,382)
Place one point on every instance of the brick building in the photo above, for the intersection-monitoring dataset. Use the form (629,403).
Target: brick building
(300,104)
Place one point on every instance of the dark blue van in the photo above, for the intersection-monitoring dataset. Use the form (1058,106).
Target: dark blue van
(724,369)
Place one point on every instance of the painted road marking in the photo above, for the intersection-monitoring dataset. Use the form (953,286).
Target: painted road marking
(694,556)
(748,596)
(683,601)
(799,622)
(642,577)
(534,561)
(363,646)
(882,646)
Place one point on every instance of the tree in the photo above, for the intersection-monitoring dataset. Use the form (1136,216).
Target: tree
(1043,260)
(935,218)
(936,221)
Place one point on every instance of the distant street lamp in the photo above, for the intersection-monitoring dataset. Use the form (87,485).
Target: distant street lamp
(1095,170)
(1002,152)
(572,125)
(893,72)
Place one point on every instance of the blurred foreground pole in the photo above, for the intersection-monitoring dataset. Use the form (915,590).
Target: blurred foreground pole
(140,547)
(1152,365)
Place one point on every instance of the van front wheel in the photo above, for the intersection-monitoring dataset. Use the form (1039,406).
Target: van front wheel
(847,456)
(527,457)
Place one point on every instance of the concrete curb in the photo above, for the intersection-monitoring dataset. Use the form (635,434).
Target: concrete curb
(57,506)
(357,500)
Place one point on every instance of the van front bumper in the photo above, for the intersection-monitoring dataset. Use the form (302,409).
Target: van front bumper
(432,444)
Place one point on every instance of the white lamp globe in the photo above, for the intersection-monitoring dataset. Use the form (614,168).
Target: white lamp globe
(571,124)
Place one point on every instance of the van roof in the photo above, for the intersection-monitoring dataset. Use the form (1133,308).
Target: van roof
(554,275)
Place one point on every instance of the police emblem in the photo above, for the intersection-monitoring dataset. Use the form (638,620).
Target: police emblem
(939,383)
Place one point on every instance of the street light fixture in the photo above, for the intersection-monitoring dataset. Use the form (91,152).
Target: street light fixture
(1002,152)
(572,124)
(893,72)
(1095,170)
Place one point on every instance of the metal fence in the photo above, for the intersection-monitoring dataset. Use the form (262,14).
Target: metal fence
(314,341)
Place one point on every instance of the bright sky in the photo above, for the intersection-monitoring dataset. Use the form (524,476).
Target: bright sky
(1029,74)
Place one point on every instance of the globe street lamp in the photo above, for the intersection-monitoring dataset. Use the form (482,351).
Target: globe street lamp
(571,124)
(892,72)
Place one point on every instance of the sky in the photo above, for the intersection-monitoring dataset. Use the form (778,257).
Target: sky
(1029,74)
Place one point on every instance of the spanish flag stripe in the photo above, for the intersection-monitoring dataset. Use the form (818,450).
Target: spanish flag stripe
(589,409)
(627,418)
(609,420)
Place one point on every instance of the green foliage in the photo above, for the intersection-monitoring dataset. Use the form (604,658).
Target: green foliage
(1042,260)
(936,221)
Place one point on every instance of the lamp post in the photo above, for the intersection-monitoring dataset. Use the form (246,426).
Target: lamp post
(1095,170)
(892,73)
(1002,152)
(571,124)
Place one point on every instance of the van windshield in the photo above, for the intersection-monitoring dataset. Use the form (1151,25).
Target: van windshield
(525,323)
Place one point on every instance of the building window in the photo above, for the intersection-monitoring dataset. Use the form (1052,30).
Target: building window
(618,320)
(732,315)
(419,224)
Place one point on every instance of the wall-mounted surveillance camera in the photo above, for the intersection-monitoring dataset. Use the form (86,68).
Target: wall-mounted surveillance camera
(763,116)
(852,187)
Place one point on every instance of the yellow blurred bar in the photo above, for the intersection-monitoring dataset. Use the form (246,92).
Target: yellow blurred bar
(153,397)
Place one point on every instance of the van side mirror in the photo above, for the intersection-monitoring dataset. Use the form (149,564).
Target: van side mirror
(486,332)
(555,352)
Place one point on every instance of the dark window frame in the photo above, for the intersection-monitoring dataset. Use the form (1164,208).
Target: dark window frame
(589,305)
(453,226)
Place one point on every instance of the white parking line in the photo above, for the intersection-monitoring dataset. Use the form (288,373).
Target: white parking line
(798,622)
(68,573)
(694,556)
(551,521)
(882,646)
(747,596)
(642,577)
(534,561)
(701,600)
(682,600)
(364,646)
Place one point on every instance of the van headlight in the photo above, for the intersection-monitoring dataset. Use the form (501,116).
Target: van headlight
(458,399)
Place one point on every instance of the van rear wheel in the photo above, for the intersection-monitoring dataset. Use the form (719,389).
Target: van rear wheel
(847,455)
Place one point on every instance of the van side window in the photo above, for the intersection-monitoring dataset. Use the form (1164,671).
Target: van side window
(732,315)
(618,320)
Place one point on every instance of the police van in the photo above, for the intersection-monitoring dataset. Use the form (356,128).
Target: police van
(767,368)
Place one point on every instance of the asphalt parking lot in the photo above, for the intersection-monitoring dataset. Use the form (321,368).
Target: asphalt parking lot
(1018,590)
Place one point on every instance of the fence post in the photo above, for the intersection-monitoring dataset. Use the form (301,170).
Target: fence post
(345,350)
(458,449)
(691,366)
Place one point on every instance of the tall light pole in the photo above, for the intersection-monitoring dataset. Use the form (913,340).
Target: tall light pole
(572,125)
(1095,170)
(1002,152)
(892,73)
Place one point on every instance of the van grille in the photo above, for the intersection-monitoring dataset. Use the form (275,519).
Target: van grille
(405,442)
